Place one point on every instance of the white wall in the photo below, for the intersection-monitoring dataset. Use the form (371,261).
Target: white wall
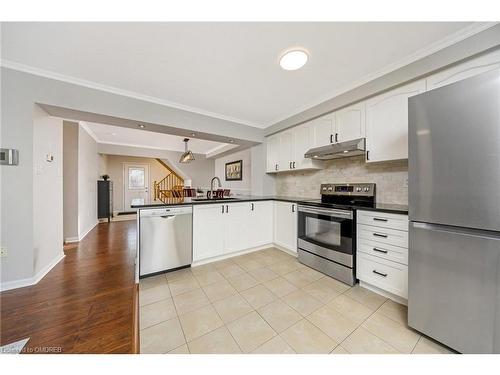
(200,172)
(243,187)
(88,174)
(47,192)
(70,180)
(114,168)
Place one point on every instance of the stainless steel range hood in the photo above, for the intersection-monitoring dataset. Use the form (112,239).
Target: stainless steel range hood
(345,149)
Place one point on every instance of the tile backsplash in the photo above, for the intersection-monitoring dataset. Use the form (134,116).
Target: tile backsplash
(390,177)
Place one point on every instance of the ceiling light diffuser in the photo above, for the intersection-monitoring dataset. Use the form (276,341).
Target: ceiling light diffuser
(294,59)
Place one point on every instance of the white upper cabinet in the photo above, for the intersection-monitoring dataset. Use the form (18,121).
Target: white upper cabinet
(323,130)
(286,150)
(465,70)
(387,123)
(273,149)
(350,123)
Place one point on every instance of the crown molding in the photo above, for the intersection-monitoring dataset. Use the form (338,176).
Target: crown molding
(114,90)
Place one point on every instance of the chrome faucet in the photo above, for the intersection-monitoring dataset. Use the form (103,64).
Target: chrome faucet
(212,185)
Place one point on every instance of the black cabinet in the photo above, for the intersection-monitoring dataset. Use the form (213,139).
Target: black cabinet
(104,199)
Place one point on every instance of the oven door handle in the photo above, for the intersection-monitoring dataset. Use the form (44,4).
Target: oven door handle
(331,213)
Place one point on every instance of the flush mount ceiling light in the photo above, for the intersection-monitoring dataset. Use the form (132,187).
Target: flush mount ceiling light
(294,59)
(142,126)
(187,156)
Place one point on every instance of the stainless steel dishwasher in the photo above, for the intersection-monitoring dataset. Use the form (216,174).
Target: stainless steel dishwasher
(165,239)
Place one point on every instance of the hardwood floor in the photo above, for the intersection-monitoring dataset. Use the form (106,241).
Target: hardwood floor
(86,304)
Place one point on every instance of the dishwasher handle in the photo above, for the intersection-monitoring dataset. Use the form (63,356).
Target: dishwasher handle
(167,216)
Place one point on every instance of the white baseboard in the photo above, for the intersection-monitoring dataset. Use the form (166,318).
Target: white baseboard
(71,239)
(384,293)
(81,237)
(286,250)
(31,280)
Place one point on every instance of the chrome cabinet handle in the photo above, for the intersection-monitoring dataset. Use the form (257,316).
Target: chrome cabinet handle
(331,138)
(293,208)
(379,273)
(290,165)
(293,165)
(380,235)
(379,219)
(336,137)
(222,208)
(227,208)
(252,206)
(380,251)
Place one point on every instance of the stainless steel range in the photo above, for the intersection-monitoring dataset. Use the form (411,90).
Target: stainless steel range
(327,229)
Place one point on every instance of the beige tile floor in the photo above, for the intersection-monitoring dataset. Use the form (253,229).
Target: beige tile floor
(267,302)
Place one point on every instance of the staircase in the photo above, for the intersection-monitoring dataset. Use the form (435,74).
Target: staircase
(171,186)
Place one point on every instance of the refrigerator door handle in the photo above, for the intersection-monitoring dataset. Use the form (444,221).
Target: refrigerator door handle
(456,230)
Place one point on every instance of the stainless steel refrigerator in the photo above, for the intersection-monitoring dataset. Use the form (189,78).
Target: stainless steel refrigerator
(454,212)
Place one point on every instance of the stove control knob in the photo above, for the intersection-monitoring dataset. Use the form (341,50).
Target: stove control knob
(330,188)
(366,189)
(324,188)
(358,189)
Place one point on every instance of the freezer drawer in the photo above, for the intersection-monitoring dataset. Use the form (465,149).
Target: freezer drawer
(454,286)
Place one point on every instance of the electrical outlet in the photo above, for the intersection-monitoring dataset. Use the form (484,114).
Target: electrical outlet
(3,252)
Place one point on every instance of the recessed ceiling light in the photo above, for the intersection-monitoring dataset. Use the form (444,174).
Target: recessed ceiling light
(294,59)
(142,126)
(193,135)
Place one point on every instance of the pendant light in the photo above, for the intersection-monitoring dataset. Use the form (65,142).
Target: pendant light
(187,156)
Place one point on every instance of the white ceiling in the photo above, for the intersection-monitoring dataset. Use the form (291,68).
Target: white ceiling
(143,138)
(227,70)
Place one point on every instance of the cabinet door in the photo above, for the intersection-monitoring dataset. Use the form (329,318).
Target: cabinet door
(286,150)
(237,227)
(350,122)
(323,130)
(387,123)
(261,223)
(285,225)
(208,231)
(302,143)
(465,70)
(273,149)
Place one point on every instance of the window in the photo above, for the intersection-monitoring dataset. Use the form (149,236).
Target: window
(136,178)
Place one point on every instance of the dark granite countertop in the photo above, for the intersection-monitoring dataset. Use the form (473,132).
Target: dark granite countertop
(382,207)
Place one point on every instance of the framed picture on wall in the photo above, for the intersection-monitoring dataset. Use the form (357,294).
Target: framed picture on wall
(234,171)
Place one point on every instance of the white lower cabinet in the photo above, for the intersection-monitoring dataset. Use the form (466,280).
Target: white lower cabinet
(220,229)
(285,225)
(208,231)
(382,251)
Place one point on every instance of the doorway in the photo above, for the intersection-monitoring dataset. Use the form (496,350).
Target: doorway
(135,185)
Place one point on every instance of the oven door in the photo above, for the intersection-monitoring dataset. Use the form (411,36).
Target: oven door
(327,233)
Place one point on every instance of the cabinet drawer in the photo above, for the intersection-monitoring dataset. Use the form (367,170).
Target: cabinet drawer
(386,251)
(383,220)
(384,274)
(383,235)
